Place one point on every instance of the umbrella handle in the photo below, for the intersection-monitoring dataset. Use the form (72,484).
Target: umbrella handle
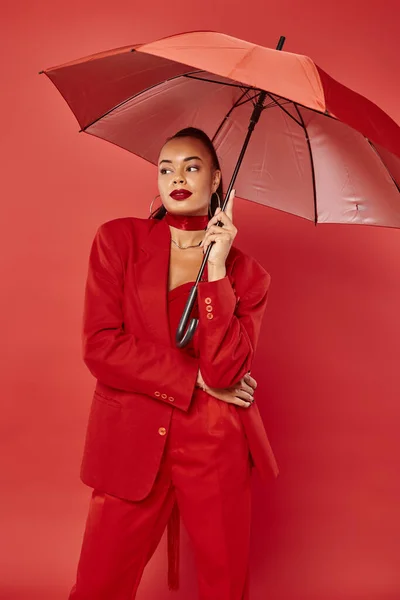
(182,337)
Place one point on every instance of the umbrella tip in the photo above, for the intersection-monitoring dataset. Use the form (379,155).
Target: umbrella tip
(41,72)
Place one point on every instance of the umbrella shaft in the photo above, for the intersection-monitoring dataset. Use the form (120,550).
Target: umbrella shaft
(257,111)
(253,121)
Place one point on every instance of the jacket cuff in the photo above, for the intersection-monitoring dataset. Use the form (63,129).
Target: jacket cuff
(179,388)
(216,301)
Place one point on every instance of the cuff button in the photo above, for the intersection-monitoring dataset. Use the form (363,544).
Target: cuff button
(209,308)
(171,399)
(157,394)
(210,316)
(163,396)
(207,300)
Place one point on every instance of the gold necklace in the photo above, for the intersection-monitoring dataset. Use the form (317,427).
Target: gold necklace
(185,247)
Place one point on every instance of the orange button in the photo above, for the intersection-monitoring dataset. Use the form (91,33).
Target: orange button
(210,316)
(207,300)
(163,396)
(209,308)
(162,431)
(157,394)
(171,399)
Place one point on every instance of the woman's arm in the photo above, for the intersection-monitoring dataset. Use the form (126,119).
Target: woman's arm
(119,359)
(228,339)
(229,325)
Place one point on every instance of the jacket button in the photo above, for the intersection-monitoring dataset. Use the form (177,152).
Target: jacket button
(157,394)
(207,300)
(171,398)
(163,396)
(162,431)
(209,308)
(210,316)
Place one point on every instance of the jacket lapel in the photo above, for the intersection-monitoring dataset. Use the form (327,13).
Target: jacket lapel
(151,277)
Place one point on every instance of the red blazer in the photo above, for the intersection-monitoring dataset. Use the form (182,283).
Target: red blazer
(140,375)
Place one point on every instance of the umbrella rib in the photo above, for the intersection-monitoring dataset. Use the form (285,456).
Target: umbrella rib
(286,111)
(237,103)
(274,104)
(311,161)
(236,85)
(384,164)
(249,99)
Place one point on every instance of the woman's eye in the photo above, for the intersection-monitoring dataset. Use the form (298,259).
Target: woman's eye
(165,170)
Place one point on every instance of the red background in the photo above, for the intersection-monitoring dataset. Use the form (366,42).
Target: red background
(327,364)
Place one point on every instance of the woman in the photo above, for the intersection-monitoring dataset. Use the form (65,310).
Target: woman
(172,427)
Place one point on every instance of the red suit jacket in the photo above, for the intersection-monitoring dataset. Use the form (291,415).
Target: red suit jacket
(140,375)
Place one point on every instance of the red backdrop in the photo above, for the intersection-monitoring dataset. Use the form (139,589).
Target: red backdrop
(327,364)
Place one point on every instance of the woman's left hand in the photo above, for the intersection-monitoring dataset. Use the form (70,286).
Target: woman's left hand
(222,236)
(240,394)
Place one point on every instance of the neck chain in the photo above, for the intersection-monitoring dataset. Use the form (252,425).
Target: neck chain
(185,247)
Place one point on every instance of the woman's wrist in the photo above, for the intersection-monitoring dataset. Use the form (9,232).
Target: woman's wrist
(216,272)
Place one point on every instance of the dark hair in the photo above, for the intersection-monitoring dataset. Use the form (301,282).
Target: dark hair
(198,134)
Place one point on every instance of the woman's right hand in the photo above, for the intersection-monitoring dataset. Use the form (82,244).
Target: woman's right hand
(241,394)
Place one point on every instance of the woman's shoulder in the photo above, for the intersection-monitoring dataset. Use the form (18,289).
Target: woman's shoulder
(124,235)
(125,230)
(245,265)
(122,224)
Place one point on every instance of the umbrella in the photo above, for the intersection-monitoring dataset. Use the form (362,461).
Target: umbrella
(320,150)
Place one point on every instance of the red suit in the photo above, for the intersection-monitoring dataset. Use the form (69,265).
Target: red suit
(152,436)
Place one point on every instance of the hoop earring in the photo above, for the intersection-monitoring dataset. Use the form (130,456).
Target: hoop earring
(152,202)
(219,203)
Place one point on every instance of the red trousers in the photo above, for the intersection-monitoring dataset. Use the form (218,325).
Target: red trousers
(205,469)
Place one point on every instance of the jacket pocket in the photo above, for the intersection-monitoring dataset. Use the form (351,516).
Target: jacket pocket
(100,397)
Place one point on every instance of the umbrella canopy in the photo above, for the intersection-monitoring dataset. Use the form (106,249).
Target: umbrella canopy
(319,150)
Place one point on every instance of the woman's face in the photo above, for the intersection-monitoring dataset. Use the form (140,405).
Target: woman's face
(185,164)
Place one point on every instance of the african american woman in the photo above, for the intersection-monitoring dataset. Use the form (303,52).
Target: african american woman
(173,433)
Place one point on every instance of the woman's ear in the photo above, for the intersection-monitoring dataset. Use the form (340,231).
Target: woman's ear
(217,180)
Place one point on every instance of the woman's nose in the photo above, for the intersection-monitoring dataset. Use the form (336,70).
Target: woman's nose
(179,179)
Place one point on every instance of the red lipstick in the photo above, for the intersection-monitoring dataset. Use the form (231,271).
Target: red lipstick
(180,194)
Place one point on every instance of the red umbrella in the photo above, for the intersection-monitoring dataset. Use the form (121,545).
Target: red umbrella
(319,151)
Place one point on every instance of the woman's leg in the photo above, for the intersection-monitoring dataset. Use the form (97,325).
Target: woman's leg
(211,472)
(119,539)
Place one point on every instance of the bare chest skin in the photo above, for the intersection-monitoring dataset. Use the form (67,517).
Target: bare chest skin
(184,266)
